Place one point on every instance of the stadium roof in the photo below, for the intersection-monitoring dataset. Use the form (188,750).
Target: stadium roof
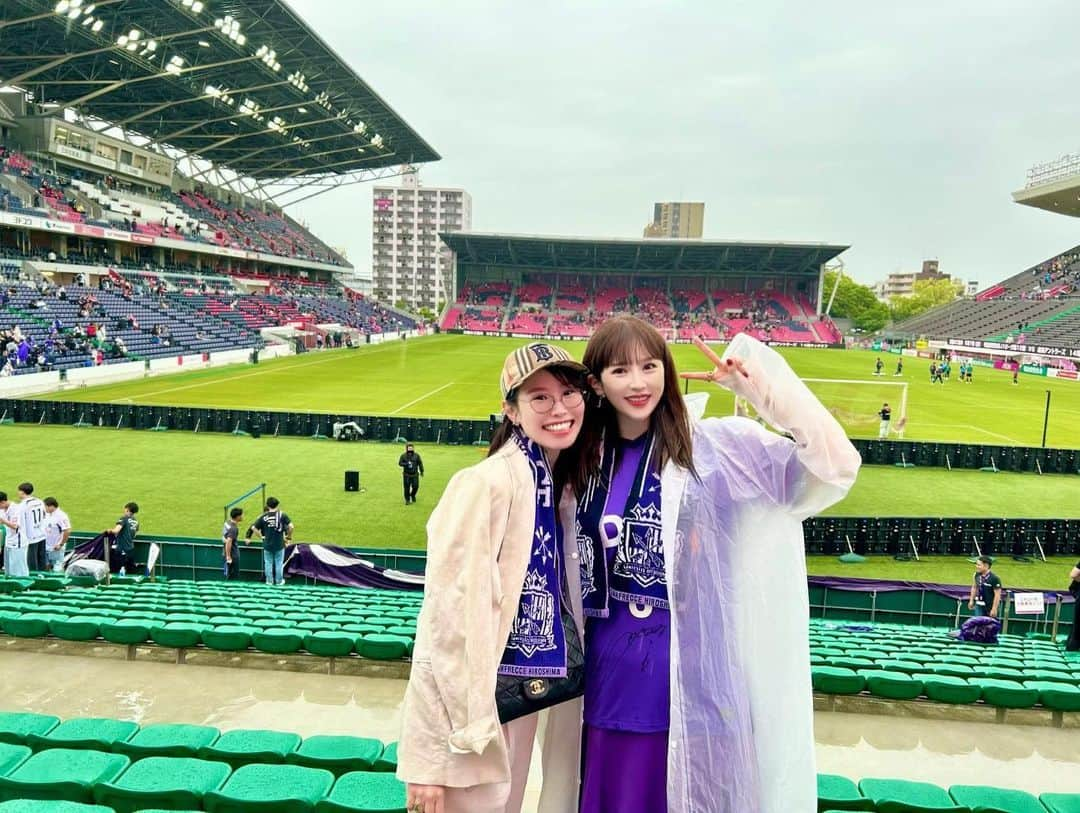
(639,255)
(245,84)
(1053,186)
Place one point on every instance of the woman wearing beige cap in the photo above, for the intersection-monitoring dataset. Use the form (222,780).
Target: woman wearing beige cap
(498,637)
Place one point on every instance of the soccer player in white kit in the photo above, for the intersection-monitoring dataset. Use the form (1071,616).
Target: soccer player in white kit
(30,517)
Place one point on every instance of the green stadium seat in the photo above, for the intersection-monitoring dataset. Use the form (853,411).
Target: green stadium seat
(177,634)
(953,670)
(188,617)
(1008,694)
(1052,676)
(365,792)
(850,662)
(31,625)
(387,763)
(170,782)
(228,638)
(337,754)
(1061,802)
(361,628)
(17,726)
(903,796)
(126,631)
(840,793)
(270,789)
(948,689)
(168,740)
(382,647)
(278,640)
(837,680)
(1056,696)
(315,626)
(1000,800)
(892,685)
(906,667)
(249,746)
(61,774)
(329,643)
(78,628)
(1001,672)
(12,756)
(37,806)
(268,623)
(91,733)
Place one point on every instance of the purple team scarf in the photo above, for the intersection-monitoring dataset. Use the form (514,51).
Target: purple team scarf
(638,573)
(536,647)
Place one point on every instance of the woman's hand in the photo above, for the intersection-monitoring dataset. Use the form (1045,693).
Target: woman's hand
(424,798)
(723,372)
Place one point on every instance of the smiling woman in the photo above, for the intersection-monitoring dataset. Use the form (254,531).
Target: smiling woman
(502,612)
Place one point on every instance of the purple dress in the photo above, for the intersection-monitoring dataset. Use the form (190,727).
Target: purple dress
(627,686)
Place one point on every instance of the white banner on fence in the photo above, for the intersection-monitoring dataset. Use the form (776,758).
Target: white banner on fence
(1029,603)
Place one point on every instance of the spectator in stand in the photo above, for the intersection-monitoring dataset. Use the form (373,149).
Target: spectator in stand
(57,531)
(985,596)
(275,529)
(122,536)
(1073,644)
(30,517)
(14,552)
(230,542)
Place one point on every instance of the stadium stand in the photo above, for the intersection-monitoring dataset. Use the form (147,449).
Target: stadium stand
(667,283)
(905,663)
(1036,306)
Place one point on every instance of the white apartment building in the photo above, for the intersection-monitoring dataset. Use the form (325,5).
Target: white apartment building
(409,262)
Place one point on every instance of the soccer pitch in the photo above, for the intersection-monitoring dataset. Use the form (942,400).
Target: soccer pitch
(181,480)
(451,376)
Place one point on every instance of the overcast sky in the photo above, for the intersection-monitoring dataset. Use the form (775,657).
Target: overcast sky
(898,129)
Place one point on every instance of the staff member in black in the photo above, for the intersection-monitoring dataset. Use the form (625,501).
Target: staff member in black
(412,469)
(1073,644)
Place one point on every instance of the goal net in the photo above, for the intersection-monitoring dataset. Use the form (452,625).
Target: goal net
(856,404)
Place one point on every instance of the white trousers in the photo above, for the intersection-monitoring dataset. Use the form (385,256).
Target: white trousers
(500,797)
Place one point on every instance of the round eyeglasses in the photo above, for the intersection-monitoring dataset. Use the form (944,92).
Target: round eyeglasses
(542,403)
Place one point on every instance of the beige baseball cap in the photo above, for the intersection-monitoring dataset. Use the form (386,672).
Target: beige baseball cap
(526,360)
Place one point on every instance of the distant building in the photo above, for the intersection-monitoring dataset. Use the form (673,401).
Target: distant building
(409,262)
(902,283)
(676,220)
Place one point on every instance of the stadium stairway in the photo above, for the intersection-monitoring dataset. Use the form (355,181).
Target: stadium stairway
(123,767)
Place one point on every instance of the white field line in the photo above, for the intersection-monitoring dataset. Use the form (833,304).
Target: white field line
(421,398)
(970,426)
(215,381)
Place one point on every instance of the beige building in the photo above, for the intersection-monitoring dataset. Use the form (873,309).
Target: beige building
(903,282)
(676,220)
(409,262)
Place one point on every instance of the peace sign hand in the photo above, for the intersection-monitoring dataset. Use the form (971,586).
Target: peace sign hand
(725,372)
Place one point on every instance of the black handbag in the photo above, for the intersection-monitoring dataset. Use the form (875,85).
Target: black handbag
(519,696)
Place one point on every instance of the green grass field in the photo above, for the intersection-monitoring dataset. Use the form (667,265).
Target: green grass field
(182,480)
(455,377)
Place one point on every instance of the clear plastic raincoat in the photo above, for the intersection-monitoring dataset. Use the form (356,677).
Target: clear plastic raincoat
(741,735)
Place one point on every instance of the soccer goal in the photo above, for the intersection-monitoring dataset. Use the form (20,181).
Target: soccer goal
(856,404)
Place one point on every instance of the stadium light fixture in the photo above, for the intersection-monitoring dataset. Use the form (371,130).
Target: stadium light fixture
(97,26)
(74,13)
(62,7)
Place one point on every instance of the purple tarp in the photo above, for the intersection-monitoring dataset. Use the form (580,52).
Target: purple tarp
(957,591)
(329,563)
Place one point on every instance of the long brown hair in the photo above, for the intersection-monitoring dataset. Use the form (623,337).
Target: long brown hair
(615,342)
(572,467)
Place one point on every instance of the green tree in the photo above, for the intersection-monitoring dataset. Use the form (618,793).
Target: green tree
(926,294)
(856,302)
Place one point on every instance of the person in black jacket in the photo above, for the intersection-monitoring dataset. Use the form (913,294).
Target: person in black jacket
(412,469)
(1073,644)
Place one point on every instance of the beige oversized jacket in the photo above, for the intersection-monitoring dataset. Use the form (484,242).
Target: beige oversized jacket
(479,543)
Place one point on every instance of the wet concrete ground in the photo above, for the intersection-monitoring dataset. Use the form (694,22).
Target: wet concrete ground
(1036,759)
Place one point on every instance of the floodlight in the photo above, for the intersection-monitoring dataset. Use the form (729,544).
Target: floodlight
(134,34)
(97,26)
(73,14)
(197,7)
(62,7)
